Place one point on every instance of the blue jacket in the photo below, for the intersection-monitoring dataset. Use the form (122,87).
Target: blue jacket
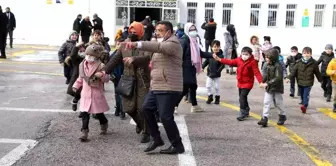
(179,33)
(119,70)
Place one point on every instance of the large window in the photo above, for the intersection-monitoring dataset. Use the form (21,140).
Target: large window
(122,16)
(290,15)
(254,17)
(227,11)
(209,8)
(334,17)
(319,14)
(192,8)
(272,15)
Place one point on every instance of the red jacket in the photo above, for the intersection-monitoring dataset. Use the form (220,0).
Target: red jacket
(246,70)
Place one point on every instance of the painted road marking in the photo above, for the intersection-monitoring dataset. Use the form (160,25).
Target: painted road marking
(48,63)
(310,151)
(328,112)
(13,156)
(133,123)
(40,110)
(30,72)
(18,53)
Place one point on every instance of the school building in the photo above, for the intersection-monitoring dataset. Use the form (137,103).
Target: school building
(288,22)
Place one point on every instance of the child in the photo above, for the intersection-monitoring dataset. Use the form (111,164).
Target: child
(304,72)
(247,69)
(325,58)
(273,82)
(115,78)
(281,61)
(256,48)
(266,46)
(291,61)
(214,72)
(64,52)
(91,79)
(331,71)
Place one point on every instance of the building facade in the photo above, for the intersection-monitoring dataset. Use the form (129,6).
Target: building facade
(288,22)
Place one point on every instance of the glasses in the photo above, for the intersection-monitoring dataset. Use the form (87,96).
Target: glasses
(159,30)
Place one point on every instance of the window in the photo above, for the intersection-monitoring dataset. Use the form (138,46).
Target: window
(334,17)
(254,17)
(192,6)
(209,7)
(290,15)
(318,16)
(227,8)
(272,15)
(121,16)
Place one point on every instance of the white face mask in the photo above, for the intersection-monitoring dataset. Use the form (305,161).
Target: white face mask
(193,34)
(159,39)
(245,57)
(306,58)
(90,58)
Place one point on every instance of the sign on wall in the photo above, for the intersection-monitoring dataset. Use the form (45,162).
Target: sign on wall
(305,18)
(49,2)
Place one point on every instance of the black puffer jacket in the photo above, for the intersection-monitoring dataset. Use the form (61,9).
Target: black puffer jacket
(274,74)
(214,67)
(291,61)
(325,59)
(65,50)
(304,72)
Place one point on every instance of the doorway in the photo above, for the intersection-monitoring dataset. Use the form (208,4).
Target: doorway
(139,14)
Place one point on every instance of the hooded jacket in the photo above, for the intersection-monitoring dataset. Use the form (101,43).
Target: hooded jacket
(325,59)
(273,75)
(214,67)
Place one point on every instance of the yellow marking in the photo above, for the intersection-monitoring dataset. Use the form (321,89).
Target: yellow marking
(328,112)
(29,63)
(18,53)
(310,151)
(31,72)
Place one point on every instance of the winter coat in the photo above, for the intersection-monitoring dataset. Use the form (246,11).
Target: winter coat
(86,28)
(179,33)
(214,67)
(119,69)
(98,24)
(281,62)
(246,71)
(75,60)
(3,23)
(210,30)
(332,67)
(65,50)
(189,70)
(274,78)
(230,43)
(139,69)
(304,72)
(92,99)
(291,61)
(325,59)
(76,25)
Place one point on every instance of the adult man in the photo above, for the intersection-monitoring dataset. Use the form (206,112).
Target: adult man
(165,87)
(10,26)
(149,28)
(3,33)
(210,32)
(86,29)
(97,23)
(77,23)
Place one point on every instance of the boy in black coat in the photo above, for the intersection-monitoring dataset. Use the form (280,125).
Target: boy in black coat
(325,58)
(214,72)
(291,61)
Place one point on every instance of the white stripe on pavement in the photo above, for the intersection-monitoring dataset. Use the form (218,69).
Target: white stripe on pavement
(40,110)
(13,156)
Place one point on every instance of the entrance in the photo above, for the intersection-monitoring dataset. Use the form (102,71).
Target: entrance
(139,14)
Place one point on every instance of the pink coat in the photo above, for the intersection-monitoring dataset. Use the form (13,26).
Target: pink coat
(92,98)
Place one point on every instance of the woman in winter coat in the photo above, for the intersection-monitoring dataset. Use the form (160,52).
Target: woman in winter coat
(231,44)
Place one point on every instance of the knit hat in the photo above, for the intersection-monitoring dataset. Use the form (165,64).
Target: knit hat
(329,47)
(93,50)
(268,38)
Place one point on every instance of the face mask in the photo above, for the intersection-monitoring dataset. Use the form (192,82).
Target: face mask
(245,57)
(90,58)
(193,34)
(306,58)
(81,54)
(159,39)
(133,37)
(293,54)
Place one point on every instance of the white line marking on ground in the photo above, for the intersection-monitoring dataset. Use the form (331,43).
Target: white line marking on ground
(40,110)
(133,123)
(187,158)
(13,156)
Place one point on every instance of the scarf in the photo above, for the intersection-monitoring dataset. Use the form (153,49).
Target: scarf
(195,54)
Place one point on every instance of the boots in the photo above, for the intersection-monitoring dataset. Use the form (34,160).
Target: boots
(217,99)
(328,98)
(117,111)
(103,129)
(263,122)
(282,119)
(210,99)
(84,137)
(122,115)
(74,104)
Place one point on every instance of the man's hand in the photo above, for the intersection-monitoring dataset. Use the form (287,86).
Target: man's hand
(128,61)
(128,45)
(79,44)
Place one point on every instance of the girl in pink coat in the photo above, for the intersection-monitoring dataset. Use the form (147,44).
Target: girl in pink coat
(92,78)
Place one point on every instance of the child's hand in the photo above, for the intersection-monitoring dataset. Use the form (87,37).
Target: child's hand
(99,74)
(263,85)
(216,57)
(287,80)
(74,90)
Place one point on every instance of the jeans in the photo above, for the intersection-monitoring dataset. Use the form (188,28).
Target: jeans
(243,102)
(305,93)
(326,85)
(164,102)
(10,33)
(191,88)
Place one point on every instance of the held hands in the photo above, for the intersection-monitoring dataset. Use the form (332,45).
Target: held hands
(263,85)
(216,57)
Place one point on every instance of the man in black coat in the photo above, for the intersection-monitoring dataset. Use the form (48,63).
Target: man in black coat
(3,33)
(210,28)
(86,29)
(10,26)
(77,23)
(97,23)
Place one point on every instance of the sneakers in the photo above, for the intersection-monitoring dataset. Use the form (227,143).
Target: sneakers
(217,98)
(282,119)
(328,98)
(303,109)
(263,122)
(210,99)
(243,114)
(196,108)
